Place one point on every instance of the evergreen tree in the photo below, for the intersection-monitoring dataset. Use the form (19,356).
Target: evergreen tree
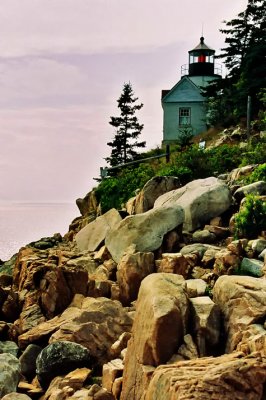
(244,58)
(244,33)
(127,127)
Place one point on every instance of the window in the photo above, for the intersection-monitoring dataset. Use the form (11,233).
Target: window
(184,116)
(202,58)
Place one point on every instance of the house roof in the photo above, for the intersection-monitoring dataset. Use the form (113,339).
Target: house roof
(165,92)
(184,91)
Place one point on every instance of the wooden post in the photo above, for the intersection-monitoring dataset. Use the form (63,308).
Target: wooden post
(167,155)
(248,117)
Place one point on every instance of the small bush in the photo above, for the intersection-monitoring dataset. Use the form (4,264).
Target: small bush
(185,137)
(251,219)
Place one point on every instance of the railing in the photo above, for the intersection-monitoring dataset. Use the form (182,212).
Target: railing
(184,69)
(104,170)
(218,69)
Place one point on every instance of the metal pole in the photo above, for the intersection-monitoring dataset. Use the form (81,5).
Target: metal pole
(248,117)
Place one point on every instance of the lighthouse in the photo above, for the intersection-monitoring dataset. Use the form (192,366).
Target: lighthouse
(184,106)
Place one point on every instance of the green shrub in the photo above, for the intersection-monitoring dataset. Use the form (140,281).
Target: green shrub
(196,160)
(251,219)
(112,192)
(224,158)
(255,153)
(187,165)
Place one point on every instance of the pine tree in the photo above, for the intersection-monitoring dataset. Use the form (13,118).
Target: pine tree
(127,127)
(243,33)
(244,58)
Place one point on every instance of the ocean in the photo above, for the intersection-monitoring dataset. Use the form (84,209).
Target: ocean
(22,223)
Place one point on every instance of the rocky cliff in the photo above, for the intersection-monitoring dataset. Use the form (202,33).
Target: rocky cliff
(158,301)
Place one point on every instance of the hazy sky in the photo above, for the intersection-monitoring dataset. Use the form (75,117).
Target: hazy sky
(63,64)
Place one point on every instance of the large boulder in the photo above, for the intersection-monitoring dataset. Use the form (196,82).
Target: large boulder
(201,199)
(231,376)
(9,374)
(158,329)
(88,205)
(96,323)
(153,189)
(92,235)
(60,358)
(242,300)
(131,270)
(144,231)
(47,284)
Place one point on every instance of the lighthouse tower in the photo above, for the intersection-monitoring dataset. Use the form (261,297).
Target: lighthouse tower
(201,68)
(184,106)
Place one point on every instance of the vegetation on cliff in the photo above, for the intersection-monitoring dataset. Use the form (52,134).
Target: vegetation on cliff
(189,164)
(251,218)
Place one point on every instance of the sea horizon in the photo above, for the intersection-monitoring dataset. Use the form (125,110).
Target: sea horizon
(22,222)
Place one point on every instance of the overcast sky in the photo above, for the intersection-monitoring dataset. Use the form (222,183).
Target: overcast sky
(63,64)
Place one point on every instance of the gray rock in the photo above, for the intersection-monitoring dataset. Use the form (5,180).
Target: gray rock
(144,231)
(201,199)
(60,358)
(92,235)
(255,188)
(9,374)
(198,249)
(28,360)
(153,189)
(251,267)
(258,245)
(203,236)
(9,347)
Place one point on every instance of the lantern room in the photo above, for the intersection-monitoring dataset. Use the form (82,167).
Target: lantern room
(201,60)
